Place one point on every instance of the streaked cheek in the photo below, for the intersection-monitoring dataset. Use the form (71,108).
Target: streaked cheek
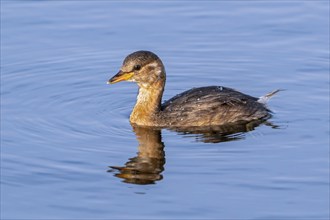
(150,68)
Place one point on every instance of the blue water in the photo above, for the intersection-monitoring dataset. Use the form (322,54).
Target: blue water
(62,126)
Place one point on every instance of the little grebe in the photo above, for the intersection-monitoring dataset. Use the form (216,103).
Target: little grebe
(205,106)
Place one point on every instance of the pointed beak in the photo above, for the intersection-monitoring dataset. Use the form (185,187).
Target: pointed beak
(120,76)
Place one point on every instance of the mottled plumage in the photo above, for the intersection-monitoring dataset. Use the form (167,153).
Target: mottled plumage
(213,105)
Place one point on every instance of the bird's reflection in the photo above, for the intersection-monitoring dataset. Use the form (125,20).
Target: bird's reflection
(147,166)
(223,133)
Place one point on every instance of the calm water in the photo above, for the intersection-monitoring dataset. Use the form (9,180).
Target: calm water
(62,126)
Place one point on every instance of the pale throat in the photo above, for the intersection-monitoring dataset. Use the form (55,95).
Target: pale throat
(148,104)
(149,98)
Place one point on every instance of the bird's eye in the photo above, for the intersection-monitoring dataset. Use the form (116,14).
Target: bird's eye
(137,67)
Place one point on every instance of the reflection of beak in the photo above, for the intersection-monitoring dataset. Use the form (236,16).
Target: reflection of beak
(120,76)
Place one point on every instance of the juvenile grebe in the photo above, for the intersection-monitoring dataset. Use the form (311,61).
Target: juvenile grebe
(205,106)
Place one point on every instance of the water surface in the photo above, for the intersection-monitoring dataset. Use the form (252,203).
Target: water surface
(62,126)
